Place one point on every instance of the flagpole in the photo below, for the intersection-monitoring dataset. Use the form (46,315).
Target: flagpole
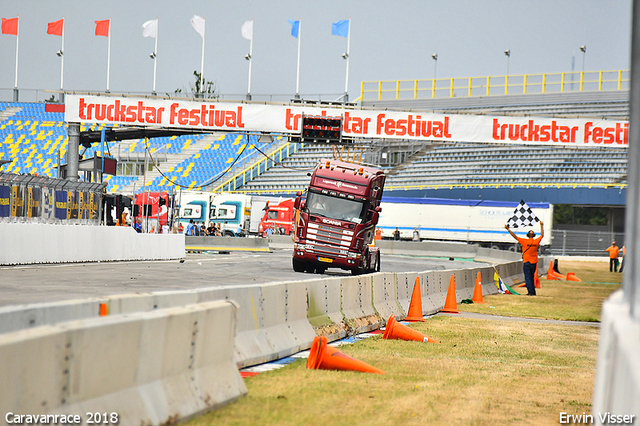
(155,59)
(202,62)
(15,85)
(346,82)
(298,66)
(250,61)
(62,61)
(109,55)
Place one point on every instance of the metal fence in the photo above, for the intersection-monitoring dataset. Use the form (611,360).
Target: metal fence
(40,199)
(583,243)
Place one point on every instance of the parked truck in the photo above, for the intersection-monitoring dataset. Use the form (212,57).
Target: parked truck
(278,217)
(472,221)
(231,211)
(336,218)
(153,209)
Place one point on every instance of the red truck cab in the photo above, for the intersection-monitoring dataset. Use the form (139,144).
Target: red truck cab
(335,222)
(278,218)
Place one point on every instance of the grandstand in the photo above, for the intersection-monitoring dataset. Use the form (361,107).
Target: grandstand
(31,139)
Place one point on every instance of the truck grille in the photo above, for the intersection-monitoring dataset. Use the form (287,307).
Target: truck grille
(329,239)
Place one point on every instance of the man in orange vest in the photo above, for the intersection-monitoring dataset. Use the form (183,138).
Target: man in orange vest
(529,256)
(613,250)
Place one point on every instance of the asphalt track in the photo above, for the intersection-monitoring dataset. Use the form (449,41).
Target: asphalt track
(48,283)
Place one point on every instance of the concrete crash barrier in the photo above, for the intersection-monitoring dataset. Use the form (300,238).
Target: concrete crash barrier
(511,273)
(48,243)
(226,244)
(617,387)
(385,296)
(148,368)
(496,256)
(324,312)
(357,304)
(428,248)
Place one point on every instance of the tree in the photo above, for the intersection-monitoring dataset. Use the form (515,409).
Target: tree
(201,88)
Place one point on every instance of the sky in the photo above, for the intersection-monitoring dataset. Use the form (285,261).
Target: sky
(390,40)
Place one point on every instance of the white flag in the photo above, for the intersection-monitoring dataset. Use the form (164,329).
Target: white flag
(150,28)
(247,30)
(197,22)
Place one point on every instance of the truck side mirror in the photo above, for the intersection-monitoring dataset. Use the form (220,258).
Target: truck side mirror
(298,200)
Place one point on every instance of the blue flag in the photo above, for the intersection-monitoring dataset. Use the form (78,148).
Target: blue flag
(340,28)
(295,27)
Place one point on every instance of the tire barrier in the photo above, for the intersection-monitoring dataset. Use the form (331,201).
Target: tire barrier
(48,243)
(151,368)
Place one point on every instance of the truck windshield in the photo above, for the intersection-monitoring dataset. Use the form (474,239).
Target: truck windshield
(335,208)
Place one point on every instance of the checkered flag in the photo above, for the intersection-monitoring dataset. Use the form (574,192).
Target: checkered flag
(522,216)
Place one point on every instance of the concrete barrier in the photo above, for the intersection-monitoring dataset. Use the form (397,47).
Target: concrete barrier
(385,296)
(324,312)
(150,368)
(47,243)
(226,244)
(617,383)
(428,248)
(357,304)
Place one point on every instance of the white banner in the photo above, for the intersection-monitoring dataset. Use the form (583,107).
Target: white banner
(249,117)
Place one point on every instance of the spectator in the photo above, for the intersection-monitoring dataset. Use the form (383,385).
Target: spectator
(138,226)
(165,228)
(203,230)
(624,253)
(191,229)
(396,234)
(416,235)
(211,230)
(180,228)
(613,250)
(529,256)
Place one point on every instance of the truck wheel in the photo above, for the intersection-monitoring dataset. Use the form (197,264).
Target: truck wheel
(378,263)
(356,271)
(228,234)
(320,270)
(298,265)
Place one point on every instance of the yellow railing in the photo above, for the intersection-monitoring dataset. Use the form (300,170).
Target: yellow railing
(390,188)
(495,85)
(259,167)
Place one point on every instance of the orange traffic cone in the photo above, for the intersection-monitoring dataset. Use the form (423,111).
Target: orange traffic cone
(552,275)
(477,291)
(536,278)
(103,310)
(572,277)
(398,331)
(325,357)
(450,304)
(415,307)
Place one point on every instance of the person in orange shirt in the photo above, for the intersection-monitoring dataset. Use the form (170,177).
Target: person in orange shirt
(613,250)
(529,256)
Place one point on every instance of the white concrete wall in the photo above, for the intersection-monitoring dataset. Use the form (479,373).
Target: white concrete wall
(28,243)
(150,368)
(617,389)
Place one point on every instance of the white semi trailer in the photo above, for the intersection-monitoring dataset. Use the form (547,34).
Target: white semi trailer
(473,221)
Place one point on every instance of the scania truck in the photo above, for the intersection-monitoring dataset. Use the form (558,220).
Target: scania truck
(335,219)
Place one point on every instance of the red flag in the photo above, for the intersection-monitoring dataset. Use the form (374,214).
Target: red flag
(55,28)
(102,27)
(10,26)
